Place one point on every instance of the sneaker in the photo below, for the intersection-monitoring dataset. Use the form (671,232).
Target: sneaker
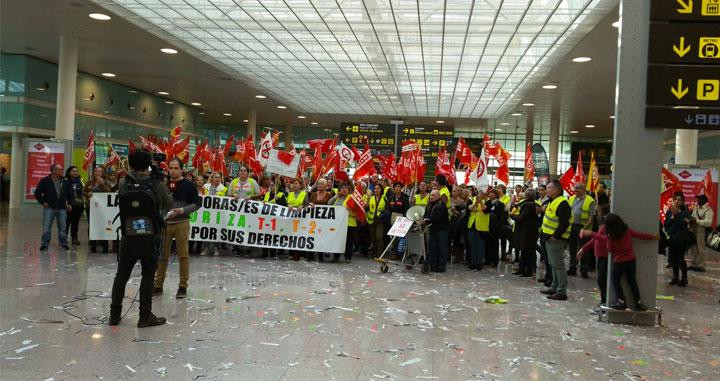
(65,247)
(181,293)
(43,248)
(548,291)
(683,283)
(151,321)
(114,318)
(674,281)
(157,291)
(618,306)
(557,296)
(639,306)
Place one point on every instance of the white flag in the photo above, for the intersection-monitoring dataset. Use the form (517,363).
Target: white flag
(479,174)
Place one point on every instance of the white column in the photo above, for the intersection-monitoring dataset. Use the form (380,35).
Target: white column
(686,145)
(288,134)
(554,144)
(252,124)
(637,154)
(67,82)
(17,171)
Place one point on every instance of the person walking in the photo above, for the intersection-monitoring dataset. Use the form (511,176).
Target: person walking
(185,201)
(54,193)
(525,235)
(556,231)
(701,221)
(77,203)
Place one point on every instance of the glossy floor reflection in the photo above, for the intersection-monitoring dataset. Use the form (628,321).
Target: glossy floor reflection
(278,320)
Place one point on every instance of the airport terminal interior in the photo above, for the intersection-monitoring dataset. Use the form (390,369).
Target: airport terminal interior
(371,151)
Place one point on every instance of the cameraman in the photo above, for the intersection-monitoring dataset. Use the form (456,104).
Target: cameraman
(139,162)
(185,201)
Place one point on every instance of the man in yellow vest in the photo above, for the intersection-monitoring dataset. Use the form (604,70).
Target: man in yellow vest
(555,230)
(478,231)
(375,206)
(583,210)
(505,231)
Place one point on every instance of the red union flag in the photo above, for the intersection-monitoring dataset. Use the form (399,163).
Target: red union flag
(356,203)
(365,165)
(567,181)
(529,165)
(266,144)
(89,156)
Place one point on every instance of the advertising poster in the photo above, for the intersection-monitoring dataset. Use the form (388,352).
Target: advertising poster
(695,182)
(41,155)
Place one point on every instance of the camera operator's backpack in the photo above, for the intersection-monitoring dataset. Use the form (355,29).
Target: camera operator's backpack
(140,220)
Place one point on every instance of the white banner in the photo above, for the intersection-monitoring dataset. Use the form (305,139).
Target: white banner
(322,228)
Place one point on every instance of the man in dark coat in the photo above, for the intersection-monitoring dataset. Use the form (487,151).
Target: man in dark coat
(436,214)
(54,193)
(526,233)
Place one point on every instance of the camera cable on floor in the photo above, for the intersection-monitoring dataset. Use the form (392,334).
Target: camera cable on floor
(99,320)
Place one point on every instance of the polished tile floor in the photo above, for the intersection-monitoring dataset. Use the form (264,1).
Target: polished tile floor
(255,319)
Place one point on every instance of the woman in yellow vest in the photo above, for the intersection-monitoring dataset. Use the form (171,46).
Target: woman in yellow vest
(478,231)
(375,206)
(341,199)
(422,196)
(296,198)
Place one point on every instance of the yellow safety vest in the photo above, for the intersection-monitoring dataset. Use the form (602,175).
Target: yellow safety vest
(505,200)
(480,219)
(219,192)
(374,208)
(446,192)
(296,201)
(585,214)
(385,190)
(274,199)
(551,220)
(422,201)
(234,183)
(352,222)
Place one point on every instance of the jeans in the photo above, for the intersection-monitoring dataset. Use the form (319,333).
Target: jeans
(438,250)
(627,268)
(50,214)
(476,247)
(181,232)
(126,262)
(556,256)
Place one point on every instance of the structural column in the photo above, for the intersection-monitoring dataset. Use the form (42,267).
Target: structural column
(288,135)
(529,128)
(252,124)
(17,171)
(686,145)
(637,153)
(67,82)
(554,142)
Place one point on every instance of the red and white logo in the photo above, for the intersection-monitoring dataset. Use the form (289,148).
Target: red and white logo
(39,146)
(685,174)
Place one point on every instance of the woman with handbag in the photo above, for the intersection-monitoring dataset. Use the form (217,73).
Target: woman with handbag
(681,239)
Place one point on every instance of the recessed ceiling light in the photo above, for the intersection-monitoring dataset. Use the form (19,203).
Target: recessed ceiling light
(168,51)
(227,114)
(516,114)
(574,132)
(132,91)
(99,16)
(245,120)
(609,140)
(196,104)
(40,88)
(109,75)
(498,129)
(163,93)
(528,104)
(549,87)
(612,116)
(260,96)
(301,116)
(201,113)
(589,126)
(282,107)
(439,121)
(504,124)
(169,102)
(314,123)
(616,24)
(581,59)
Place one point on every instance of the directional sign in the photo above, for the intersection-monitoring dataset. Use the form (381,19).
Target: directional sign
(685,10)
(682,118)
(684,43)
(683,85)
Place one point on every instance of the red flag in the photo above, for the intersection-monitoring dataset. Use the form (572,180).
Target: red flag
(420,165)
(179,148)
(356,203)
(666,200)
(579,177)
(567,181)
(529,165)
(285,157)
(321,146)
(389,167)
(670,179)
(407,162)
(199,152)
(148,145)
(496,150)
(89,156)
(175,132)
(219,163)
(710,190)
(463,152)
(131,146)
(444,166)
(229,144)
(365,165)
(113,158)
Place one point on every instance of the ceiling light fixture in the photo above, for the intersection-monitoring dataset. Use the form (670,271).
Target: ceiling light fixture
(581,59)
(612,116)
(40,89)
(99,16)
(516,114)
(196,104)
(528,104)
(574,132)
(260,96)
(163,93)
(132,91)
(201,113)
(169,102)
(168,51)
(439,121)
(504,124)
(616,24)
(589,126)
(498,129)
(301,116)
(282,107)
(227,114)
(109,75)
(314,123)
(549,87)
(245,120)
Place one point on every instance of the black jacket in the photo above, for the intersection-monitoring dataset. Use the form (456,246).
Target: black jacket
(526,231)
(438,215)
(45,192)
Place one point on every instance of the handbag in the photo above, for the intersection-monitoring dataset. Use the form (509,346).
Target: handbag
(713,240)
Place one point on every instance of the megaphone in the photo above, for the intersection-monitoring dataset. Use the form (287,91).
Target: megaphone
(415,213)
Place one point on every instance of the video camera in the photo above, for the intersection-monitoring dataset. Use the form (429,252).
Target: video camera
(155,171)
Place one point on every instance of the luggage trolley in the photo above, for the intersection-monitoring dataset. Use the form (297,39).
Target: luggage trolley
(410,228)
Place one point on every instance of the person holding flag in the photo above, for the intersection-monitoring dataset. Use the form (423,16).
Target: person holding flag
(343,198)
